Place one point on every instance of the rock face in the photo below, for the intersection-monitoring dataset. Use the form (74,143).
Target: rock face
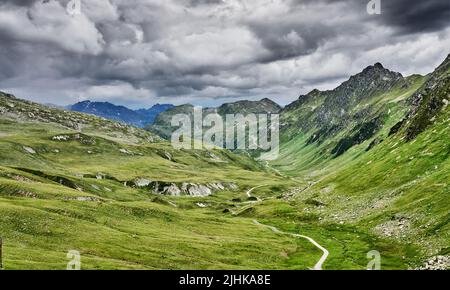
(196,190)
(181,189)
(142,182)
(343,111)
(427,103)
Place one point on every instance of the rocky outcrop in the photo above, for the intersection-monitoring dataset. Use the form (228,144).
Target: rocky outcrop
(181,189)
(142,182)
(29,150)
(427,103)
(437,263)
(81,138)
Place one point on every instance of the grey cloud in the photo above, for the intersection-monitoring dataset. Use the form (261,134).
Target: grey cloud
(417,16)
(209,51)
(19,2)
(287,41)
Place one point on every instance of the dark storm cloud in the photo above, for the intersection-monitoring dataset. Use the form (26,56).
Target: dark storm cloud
(416,16)
(19,2)
(143,51)
(194,3)
(405,15)
(286,41)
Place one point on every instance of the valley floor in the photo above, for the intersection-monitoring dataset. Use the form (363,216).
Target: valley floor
(176,233)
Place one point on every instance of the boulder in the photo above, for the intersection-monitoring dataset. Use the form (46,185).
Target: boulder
(172,190)
(29,150)
(196,190)
(142,182)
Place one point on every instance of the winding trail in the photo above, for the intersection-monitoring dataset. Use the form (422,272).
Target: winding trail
(325,255)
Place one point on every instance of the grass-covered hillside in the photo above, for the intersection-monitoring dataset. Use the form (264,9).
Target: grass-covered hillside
(87,187)
(394,181)
(363,168)
(163,127)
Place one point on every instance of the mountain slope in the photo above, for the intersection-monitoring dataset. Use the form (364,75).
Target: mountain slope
(393,181)
(249,107)
(163,128)
(21,111)
(428,103)
(324,125)
(95,135)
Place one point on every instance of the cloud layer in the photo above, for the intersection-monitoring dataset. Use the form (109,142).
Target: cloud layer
(141,52)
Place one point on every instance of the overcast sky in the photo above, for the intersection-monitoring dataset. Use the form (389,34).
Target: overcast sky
(141,52)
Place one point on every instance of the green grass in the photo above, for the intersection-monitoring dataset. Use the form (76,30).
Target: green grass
(396,180)
(143,235)
(122,227)
(343,203)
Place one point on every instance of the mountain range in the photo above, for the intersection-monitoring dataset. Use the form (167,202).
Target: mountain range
(139,118)
(363,168)
(157,119)
(163,128)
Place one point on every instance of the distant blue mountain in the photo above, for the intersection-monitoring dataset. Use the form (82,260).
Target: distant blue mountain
(154,111)
(139,118)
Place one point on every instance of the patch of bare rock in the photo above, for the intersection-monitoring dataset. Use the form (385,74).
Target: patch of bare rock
(181,189)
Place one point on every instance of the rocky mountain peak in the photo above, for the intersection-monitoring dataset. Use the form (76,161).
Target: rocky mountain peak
(378,70)
(378,65)
(371,81)
(268,101)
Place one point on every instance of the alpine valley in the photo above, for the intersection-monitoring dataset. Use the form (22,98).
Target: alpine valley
(362,168)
